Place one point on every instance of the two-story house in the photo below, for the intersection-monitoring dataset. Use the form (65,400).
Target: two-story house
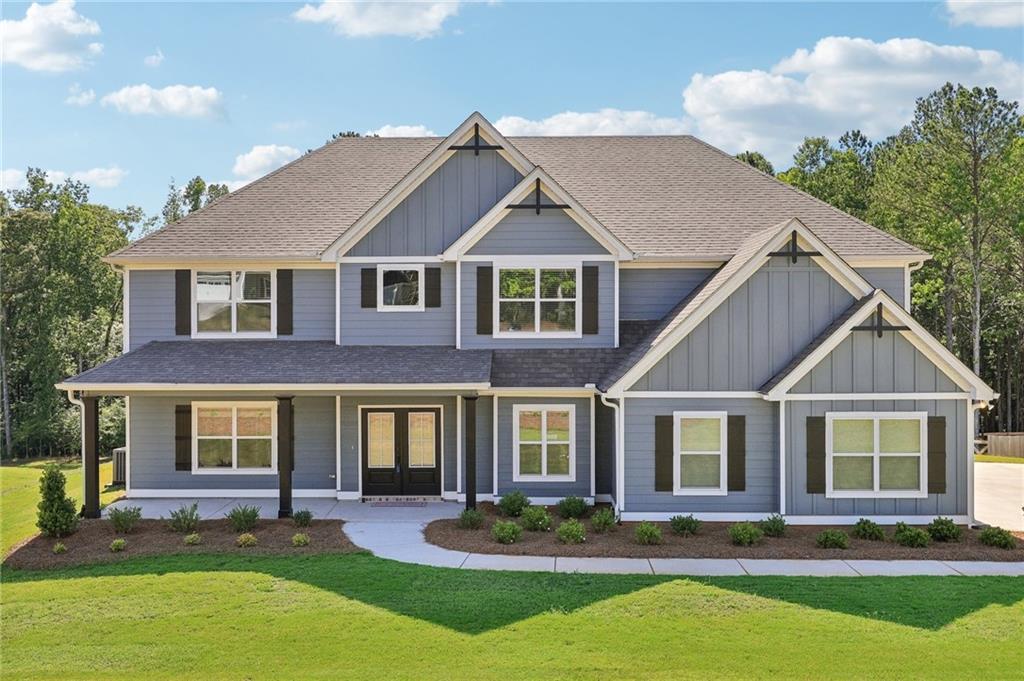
(639,320)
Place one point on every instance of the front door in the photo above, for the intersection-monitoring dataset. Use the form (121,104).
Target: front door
(401,451)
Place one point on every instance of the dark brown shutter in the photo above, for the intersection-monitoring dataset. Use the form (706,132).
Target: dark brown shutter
(663,453)
(936,455)
(292,416)
(590,299)
(183,302)
(484,300)
(737,453)
(183,437)
(815,454)
(368,277)
(432,287)
(284,302)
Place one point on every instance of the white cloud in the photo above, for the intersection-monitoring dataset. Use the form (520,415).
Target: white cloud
(603,122)
(366,19)
(402,131)
(261,159)
(234,185)
(102,178)
(12,178)
(188,101)
(290,126)
(987,14)
(154,60)
(50,38)
(79,97)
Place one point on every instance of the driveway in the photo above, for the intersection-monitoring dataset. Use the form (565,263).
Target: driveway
(999,494)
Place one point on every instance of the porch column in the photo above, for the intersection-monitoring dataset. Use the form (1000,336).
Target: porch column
(91,456)
(470,449)
(285,456)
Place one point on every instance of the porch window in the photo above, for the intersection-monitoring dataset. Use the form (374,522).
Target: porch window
(400,288)
(234,437)
(234,302)
(535,300)
(544,442)
(876,454)
(699,465)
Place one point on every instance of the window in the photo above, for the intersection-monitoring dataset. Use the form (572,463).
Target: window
(544,442)
(380,434)
(234,437)
(421,439)
(535,300)
(880,454)
(699,465)
(399,288)
(234,302)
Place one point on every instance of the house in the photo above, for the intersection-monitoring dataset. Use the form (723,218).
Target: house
(639,320)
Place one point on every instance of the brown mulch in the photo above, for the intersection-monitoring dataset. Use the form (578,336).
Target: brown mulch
(91,543)
(712,541)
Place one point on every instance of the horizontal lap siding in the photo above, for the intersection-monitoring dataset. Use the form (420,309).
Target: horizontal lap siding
(366,326)
(523,232)
(312,305)
(150,307)
(651,293)
(604,453)
(890,279)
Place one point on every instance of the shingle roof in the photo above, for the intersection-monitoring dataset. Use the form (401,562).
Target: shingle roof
(668,196)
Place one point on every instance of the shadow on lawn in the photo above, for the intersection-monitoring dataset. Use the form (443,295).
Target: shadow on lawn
(474,602)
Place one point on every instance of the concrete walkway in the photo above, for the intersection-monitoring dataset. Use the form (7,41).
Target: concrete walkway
(999,494)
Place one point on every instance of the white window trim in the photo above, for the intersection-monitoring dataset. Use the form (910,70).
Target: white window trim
(577,266)
(420,294)
(723,454)
(196,333)
(877,492)
(543,477)
(234,470)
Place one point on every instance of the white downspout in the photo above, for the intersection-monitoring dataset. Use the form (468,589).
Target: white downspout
(619,440)
(972,435)
(81,426)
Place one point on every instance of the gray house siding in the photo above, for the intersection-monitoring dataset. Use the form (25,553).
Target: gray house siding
(484,447)
(150,307)
(768,320)
(523,232)
(442,208)
(650,293)
(604,448)
(762,458)
(889,279)
(312,305)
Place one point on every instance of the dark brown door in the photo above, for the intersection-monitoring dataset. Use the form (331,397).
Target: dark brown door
(401,451)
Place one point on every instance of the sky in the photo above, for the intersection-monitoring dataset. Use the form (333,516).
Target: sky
(127,96)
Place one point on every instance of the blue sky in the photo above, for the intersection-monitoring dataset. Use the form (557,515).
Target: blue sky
(231,91)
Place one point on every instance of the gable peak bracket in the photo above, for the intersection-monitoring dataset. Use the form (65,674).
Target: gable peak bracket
(878,325)
(537,205)
(793,250)
(477,145)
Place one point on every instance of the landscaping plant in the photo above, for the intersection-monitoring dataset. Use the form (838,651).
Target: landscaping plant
(868,529)
(303,518)
(536,519)
(57,516)
(124,519)
(571,532)
(513,504)
(471,519)
(745,534)
(913,537)
(193,539)
(774,525)
(832,539)
(506,532)
(647,534)
(684,525)
(246,540)
(118,545)
(185,519)
(243,517)
(944,529)
(59,548)
(998,537)
(300,539)
(572,507)
(603,520)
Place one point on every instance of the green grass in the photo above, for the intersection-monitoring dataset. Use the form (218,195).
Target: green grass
(356,616)
(986,458)
(19,494)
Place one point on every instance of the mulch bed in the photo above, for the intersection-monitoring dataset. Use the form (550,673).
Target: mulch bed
(91,543)
(711,542)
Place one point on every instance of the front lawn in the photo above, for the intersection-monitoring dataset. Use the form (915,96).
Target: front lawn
(988,458)
(357,616)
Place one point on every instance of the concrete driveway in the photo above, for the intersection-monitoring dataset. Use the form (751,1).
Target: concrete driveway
(999,494)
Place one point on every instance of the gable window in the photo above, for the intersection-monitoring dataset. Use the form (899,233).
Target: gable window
(400,288)
(876,454)
(699,465)
(234,437)
(544,442)
(537,301)
(232,302)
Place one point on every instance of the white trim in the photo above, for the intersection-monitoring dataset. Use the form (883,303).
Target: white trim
(458,304)
(420,305)
(519,264)
(616,294)
(126,316)
(494,442)
(337,304)
(860,261)
(337,443)
(876,455)
(461,497)
(880,519)
(782,457)
(693,394)
(604,499)
(543,259)
(545,501)
(349,495)
(119,388)
(192,493)
(620,456)
(722,453)
(236,299)
(970,460)
(127,445)
(543,476)
(664,516)
(176,263)
(540,392)
(359,435)
(824,397)
(593,449)
(647,263)
(388,259)
(233,405)
(458,443)
(908,284)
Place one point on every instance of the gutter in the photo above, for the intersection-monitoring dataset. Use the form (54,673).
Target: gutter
(81,427)
(620,439)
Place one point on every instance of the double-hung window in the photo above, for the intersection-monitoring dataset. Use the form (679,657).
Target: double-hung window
(699,464)
(544,442)
(234,302)
(400,288)
(876,454)
(234,437)
(537,301)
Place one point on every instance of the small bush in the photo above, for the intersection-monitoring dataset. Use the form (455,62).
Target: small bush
(506,532)
(513,504)
(572,507)
(300,539)
(603,520)
(193,539)
(998,537)
(57,516)
(536,519)
(185,519)
(571,532)
(118,545)
(913,537)
(471,519)
(243,518)
(124,519)
(684,525)
(245,540)
(59,548)
(303,518)
(944,529)
(647,534)
(832,539)
(868,529)
(773,526)
(745,534)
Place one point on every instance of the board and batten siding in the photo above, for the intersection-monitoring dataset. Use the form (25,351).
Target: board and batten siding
(523,232)
(484,446)
(646,293)
(889,279)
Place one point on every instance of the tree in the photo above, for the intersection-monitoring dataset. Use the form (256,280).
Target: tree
(174,206)
(193,193)
(757,159)
(214,192)
(56,516)
(839,175)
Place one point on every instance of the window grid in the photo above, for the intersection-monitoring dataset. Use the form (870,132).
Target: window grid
(236,297)
(544,441)
(234,437)
(876,490)
(722,452)
(538,299)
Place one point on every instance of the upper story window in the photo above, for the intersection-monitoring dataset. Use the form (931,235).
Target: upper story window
(700,453)
(234,302)
(880,454)
(537,301)
(400,288)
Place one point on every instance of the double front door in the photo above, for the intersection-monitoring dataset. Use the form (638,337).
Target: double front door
(401,451)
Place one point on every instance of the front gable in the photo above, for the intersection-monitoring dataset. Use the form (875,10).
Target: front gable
(544,232)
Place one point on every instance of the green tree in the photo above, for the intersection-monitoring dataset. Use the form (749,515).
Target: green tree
(193,193)
(214,192)
(56,512)
(840,175)
(757,159)
(174,206)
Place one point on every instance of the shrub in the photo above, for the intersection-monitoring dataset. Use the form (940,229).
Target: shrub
(647,534)
(506,532)
(300,539)
(571,532)
(193,539)
(745,534)
(868,529)
(572,507)
(59,548)
(536,519)
(245,540)
(124,519)
(243,518)
(471,519)
(684,525)
(303,518)
(185,519)
(944,529)
(57,516)
(773,526)
(998,537)
(603,520)
(118,545)
(914,537)
(513,504)
(832,539)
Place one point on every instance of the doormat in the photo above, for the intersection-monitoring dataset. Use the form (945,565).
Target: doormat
(398,504)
